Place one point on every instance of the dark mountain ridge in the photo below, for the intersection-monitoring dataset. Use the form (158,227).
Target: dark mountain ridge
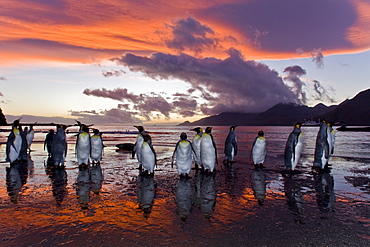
(355,111)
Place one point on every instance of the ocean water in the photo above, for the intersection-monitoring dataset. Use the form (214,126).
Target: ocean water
(112,205)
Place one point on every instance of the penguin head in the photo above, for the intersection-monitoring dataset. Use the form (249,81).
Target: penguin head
(197,129)
(16,123)
(298,125)
(183,136)
(51,131)
(233,127)
(139,128)
(84,128)
(208,130)
(260,133)
(96,131)
(147,138)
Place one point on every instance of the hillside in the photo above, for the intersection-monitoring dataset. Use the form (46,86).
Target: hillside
(355,111)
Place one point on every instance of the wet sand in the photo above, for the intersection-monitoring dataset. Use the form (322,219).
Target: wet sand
(114,206)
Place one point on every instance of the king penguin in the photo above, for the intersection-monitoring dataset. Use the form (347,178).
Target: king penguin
(148,156)
(138,144)
(60,146)
(231,146)
(259,149)
(48,143)
(29,136)
(14,143)
(96,146)
(83,145)
(293,148)
(323,146)
(183,153)
(208,151)
(196,146)
(331,137)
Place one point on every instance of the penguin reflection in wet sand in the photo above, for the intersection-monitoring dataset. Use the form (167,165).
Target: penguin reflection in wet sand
(231,146)
(259,149)
(293,148)
(60,145)
(148,156)
(323,146)
(183,153)
(138,144)
(208,151)
(196,146)
(83,146)
(96,147)
(14,143)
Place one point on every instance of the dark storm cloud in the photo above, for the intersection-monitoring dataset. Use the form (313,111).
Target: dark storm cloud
(285,26)
(144,104)
(113,73)
(190,34)
(114,115)
(153,103)
(117,94)
(232,84)
(293,75)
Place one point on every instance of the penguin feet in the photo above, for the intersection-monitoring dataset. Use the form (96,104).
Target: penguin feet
(184,176)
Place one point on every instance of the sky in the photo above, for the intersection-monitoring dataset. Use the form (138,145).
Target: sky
(129,62)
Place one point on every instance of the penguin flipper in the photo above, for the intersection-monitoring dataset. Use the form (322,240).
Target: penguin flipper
(235,144)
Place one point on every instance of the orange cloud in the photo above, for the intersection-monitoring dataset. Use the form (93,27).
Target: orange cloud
(76,31)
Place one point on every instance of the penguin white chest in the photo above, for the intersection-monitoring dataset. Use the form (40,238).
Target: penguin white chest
(96,148)
(83,148)
(183,157)
(207,152)
(137,148)
(259,151)
(196,147)
(15,148)
(147,157)
(297,151)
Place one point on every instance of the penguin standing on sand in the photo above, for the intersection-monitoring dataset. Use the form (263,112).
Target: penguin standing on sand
(259,149)
(331,137)
(29,136)
(183,153)
(208,151)
(231,146)
(60,145)
(96,146)
(138,144)
(196,146)
(148,156)
(323,146)
(83,146)
(293,148)
(48,143)
(14,143)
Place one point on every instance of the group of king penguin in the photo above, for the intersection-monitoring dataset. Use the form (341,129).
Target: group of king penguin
(204,152)
(324,147)
(19,142)
(203,148)
(87,147)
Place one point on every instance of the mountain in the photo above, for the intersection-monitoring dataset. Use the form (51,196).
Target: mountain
(278,115)
(355,111)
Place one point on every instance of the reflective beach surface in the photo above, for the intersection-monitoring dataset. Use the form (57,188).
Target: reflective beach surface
(112,205)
